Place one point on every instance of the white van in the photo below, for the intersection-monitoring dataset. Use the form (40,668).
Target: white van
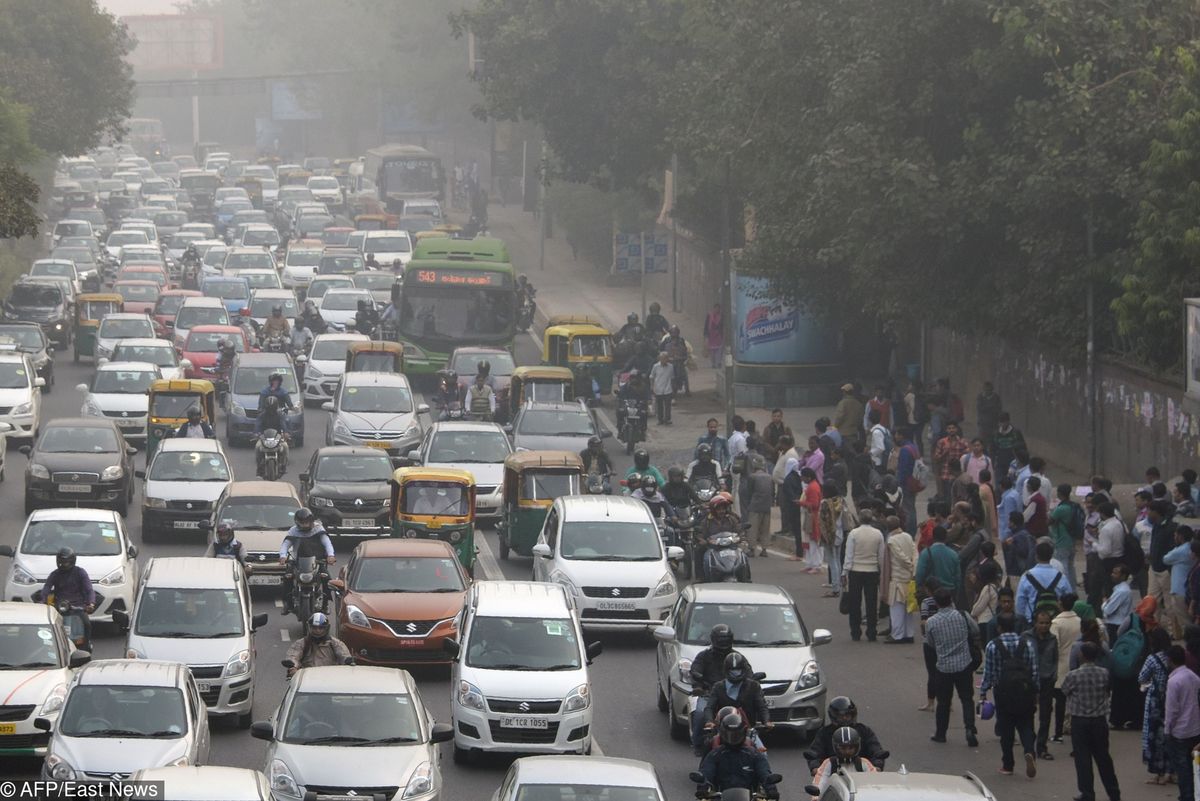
(519,680)
(197,611)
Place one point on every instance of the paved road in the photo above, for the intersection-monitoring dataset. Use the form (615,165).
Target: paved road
(886,681)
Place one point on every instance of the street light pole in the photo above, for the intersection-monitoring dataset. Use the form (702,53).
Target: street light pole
(1093,438)
(727,295)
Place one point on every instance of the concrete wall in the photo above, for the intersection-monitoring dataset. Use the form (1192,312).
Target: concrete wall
(1142,420)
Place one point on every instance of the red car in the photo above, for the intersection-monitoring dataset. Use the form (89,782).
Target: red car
(139,296)
(201,347)
(165,309)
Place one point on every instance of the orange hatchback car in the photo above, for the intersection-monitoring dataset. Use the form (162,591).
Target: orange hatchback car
(397,601)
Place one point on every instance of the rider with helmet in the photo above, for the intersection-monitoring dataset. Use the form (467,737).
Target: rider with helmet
(631,331)
(480,400)
(270,418)
(446,395)
(846,748)
(276,325)
(708,669)
(704,466)
(371,263)
(307,538)
(739,689)
(366,319)
(595,458)
(225,353)
(637,389)
(641,464)
(70,583)
(310,318)
(196,426)
(678,492)
(633,483)
(843,713)
(648,494)
(224,545)
(735,762)
(317,648)
(656,324)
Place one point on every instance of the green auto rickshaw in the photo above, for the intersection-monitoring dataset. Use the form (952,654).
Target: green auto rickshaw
(439,504)
(90,309)
(581,345)
(539,383)
(532,481)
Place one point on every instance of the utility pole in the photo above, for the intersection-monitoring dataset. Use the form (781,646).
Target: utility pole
(727,294)
(1093,421)
(542,209)
(674,236)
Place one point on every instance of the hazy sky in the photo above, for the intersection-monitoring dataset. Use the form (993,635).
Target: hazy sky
(123,8)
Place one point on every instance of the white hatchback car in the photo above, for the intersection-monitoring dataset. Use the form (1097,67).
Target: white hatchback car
(101,544)
(20,396)
(299,266)
(120,326)
(326,363)
(157,352)
(120,390)
(376,410)
(208,783)
(590,540)
(340,306)
(558,777)
(479,448)
(183,482)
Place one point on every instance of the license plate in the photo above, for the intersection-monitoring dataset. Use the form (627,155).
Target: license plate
(265,581)
(612,606)
(412,643)
(129,423)
(187,524)
(381,445)
(770,703)
(358,522)
(514,722)
(203,686)
(8,728)
(74,488)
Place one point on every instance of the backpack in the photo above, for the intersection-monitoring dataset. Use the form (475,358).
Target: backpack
(1126,652)
(1078,518)
(1016,689)
(1135,557)
(1046,597)
(922,473)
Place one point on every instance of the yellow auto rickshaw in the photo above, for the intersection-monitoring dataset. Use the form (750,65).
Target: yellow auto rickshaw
(90,309)
(294,177)
(170,400)
(438,504)
(375,357)
(254,189)
(581,344)
(371,222)
(539,383)
(532,481)
(430,234)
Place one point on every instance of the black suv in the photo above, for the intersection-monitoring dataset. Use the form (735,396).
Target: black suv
(32,301)
(349,489)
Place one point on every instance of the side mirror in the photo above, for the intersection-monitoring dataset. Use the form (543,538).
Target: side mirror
(262,730)
(301,359)
(813,790)
(132,551)
(760,676)
(5,427)
(543,550)
(664,634)
(698,778)
(822,637)
(441,733)
(287,663)
(508,428)
(593,650)
(451,647)
(39,382)
(205,525)
(140,473)
(81,388)
(327,406)
(79,658)
(42,724)
(422,408)
(6,550)
(414,456)
(25,449)
(130,450)
(675,553)
(102,360)
(186,364)
(121,618)
(258,621)
(304,477)
(337,585)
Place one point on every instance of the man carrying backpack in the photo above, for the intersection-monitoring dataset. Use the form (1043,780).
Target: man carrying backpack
(1010,668)
(1042,585)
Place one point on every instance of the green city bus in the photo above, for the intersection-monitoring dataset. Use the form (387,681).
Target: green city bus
(455,292)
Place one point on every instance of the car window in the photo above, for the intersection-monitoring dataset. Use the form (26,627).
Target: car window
(353,468)
(252,380)
(35,295)
(192,613)
(78,439)
(159,356)
(401,574)
(124,711)
(482,447)
(262,514)
(262,307)
(592,792)
(25,646)
(753,624)
(13,375)
(344,301)
(604,541)
(125,328)
(85,537)
(189,466)
(303,258)
(390,400)
(546,423)
(123,382)
(523,643)
(362,718)
(190,316)
(333,350)
(436,498)
(387,244)
(500,364)
(144,293)
(227,290)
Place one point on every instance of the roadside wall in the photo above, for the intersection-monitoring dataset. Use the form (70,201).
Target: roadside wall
(1143,420)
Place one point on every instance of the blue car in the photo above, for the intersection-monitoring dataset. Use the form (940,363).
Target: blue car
(248,378)
(225,212)
(234,292)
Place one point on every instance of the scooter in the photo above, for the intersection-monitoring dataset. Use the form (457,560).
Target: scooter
(270,454)
(725,559)
(707,791)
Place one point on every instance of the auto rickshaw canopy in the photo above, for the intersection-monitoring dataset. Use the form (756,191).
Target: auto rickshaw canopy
(185,392)
(525,379)
(89,303)
(375,356)
(405,504)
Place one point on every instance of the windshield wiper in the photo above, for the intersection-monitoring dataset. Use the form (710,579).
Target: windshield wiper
(222,635)
(31,665)
(110,733)
(185,635)
(778,642)
(506,666)
(387,741)
(439,589)
(212,479)
(334,738)
(560,667)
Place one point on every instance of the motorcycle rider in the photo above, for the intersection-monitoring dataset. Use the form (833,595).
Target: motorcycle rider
(317,648)
(642,356)
(397,267)
(720,519)
(306,538)
(735,762)
(366,319)
(846,747)
(480,400)
(196,426)
(843,714)
(656,324)
(270,417)
(446,394)
(302,337)
(648,494)
(371,263)
(484,368)
(708,668)
(70,583)
(678,492)
(704,466)
(739,689)
(641,464)
(633,482)
(224,545)
(311,317)
(276,325)
(632,330)
(637,388)
(595,458)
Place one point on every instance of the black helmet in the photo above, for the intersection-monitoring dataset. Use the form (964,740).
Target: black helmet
(846,743)
(65,558)
(362,305)
(270,402)
(633,481)
(632,319)
(224,527)
(655,308)
(483,368)
(225,344)
(721,637)
(304,516)
(273,377)
(194,414)
(733,730)
(842,711)
(641,459)
(675,473)
(595,442)
(736,667)
(649,485)
(277,310)
(704,451)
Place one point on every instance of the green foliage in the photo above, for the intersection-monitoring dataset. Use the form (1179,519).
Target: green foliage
(18,192)
(588,216)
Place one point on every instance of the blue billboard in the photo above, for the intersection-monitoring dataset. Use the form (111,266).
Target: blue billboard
(769,330)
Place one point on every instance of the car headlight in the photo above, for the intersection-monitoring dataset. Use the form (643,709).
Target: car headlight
(666,586)
(356,617)
(312,372)
(54,701)
(313,500)
(281,779)
(155,503)
(685,670)
(238,665)
(413,428)
(23,576)
(23,408)
(562,578)
(60,770)
(38,470)
(237,410)
(103,352)
(421,781)
(182,762)
(115,577)
(470,696)
(133,653)
(112,473)
(810,676)
(577,699)
(341,429)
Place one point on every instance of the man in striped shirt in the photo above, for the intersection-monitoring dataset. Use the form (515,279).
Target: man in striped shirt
(950,633)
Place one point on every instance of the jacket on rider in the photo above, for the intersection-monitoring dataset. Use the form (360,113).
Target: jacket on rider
(276,325)
(480,400)
(708,668)
(72,585)
(205,428)
(659,507)
(228,550)
(307,543)
(603,464)
(678,494)
(737,766)
(261,423)
(746,695)
(329,651)
(822,745)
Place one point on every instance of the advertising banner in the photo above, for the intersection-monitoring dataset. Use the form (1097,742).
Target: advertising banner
(631,250)
(768,330)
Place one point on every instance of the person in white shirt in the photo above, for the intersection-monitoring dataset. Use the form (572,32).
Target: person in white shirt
(1037,467)
(737,447)
(662,383)
(865,549)
(877,438)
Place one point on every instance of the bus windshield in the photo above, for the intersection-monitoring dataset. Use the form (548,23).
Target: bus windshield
(408,176)
(456,312)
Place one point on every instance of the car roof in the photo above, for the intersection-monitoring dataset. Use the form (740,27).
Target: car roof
(605,770)
(191,444)
(270,291)
(360,378)
(125,316)
(895,786)
(347,290)
(204,300)
(342,338)
(203,782)
(465,425)
(354,679)
(273,489)
(555,406)
(12,356)
(397,547)
(721,593)
(115,366)
(520,599)
(617,508)
(348,450)
(16,612)
(78,422)
(131,672)
(267,359)
(143,342)
(76,513)
(190,572)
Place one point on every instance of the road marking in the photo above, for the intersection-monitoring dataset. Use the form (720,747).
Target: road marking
(283,635)
(278,603)
(604,418)
(487,559)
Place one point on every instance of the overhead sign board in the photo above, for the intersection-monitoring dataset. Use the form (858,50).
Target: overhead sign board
(168,42)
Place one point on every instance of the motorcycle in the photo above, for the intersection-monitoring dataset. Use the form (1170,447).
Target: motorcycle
(685,524)
(705,488)
(633,425)
(725,558)
(452,411)
(598,484)
(707,791)
(75,621)
(270,454)
(309,594)
(277,343)
(525,313)
(219,376)
(291,666)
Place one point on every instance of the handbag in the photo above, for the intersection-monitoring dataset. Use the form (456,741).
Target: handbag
(844,603)
(911,603)
(972,644)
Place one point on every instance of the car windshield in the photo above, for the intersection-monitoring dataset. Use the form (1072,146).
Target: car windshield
(385,400)
(227,290)
(483,447)
(303,258)
(343,301)
(352,719)
(189,466)
(406,574)
(155,275)
(230,207)
(25,646)
(214,256)
(452,313)
(72,229)
(252,380)
(501,363)
(263,280)
(189,613)
(318,287)
(331,350)
(335,238)
(544,486)
(245,261)
(165,404)
(85,537)
(125,328)
(387,244)
(353,468)
(144,293)
(605,541)
(158,355)
(35,295)
(437,498)
(523,643)
(590,792)
(378,280)
(125,711)
(343,265)
(78,439)
(123,382)
(262,307)
(190,316)
(181,241)
(260,237)
(546,423)
(752,624)
(323,182)
(123,238)
(77,255)
(13,375)
(208,341)
(64,269)
(259,513)
(170,218)
(168,305)
(27,337)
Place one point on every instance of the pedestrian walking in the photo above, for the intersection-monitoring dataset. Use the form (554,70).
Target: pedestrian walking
(1041,583)
(901,579)
(738,452)
(1153,680)
(928,608)
(1119,605)
(1045,645)
(758,493)
(714,335)
(906,462)
(940,562)
(954,638)
(987,412)
(947,459)
(1006,442)
(1010,667)
(786,453)
(1086,690)
(1162,539)
(836,520)
(810,535)
(847,419)
(1066,628)
(1182,719)
(860,574)
(1180,561)
(662,382)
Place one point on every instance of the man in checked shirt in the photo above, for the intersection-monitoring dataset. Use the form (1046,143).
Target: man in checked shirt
(1010,667)
(1087,690)
(950,633)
